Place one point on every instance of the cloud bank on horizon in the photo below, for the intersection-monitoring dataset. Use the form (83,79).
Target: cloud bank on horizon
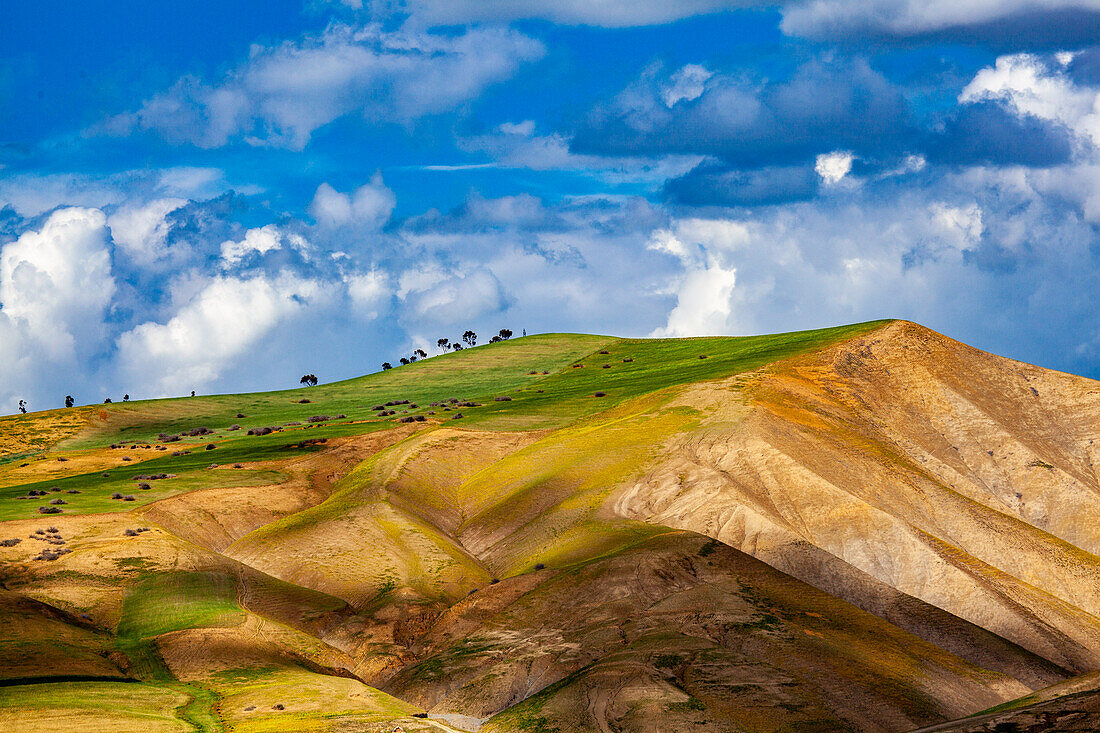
(263,190)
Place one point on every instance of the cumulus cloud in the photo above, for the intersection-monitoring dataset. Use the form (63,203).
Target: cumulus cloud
(56,281)
(834,166)
(826,105)
(260,241)
(979,254)
(369,205)
(282,94)
(208,333)
(369,292)
(1040,88)
(439,297)
(140,231)
(55,287)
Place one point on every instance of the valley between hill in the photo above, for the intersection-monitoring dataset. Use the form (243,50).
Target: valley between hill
(864,528)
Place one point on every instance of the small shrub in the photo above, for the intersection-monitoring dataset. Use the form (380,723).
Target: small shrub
(178,453)
(193,432)
(129,497)
(578,366)
(210,446)
(341,416)
(600,394)
(167,437)
(702,356)
(419,418)
(291,424)
(540,566)
(304,402)
(606,366)
(261,431)
(55,490)
(57,502)
(378,407)
(36,492)
(212,465)
(62,460)
(126,458)
(144,487)
(116,495)
(131,533)
(420,715)
(49,510)
(318,418)
(73,491)
(628,360)
(238,465)
(502,399)
(494,581)
(240,414)
(234,427)
(457,416)
(605,352)
(278,706)
(406,419)
(10,543)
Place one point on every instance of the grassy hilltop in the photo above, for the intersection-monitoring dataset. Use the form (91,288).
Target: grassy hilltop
(558,532)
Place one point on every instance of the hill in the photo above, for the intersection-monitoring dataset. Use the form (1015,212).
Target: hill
(869,528)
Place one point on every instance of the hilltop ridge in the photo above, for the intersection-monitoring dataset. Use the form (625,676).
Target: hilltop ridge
(871,527)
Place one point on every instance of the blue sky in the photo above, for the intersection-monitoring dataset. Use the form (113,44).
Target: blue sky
(227,195)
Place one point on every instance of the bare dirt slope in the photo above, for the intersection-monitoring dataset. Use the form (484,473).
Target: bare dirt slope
(884,531)
(904,461)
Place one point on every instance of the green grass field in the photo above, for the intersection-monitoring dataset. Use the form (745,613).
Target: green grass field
(582,414)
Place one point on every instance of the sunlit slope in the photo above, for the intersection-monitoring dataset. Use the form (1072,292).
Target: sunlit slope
(907,460)
(574,552)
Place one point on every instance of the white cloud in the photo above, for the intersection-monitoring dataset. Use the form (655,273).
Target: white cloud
(260,241)
(440,297)
(218,326)
(368,292)
(833,167)
(56,282)
(55,288)
(140,230)
(282,94)
(370,205)
(686,84)
(1033,87)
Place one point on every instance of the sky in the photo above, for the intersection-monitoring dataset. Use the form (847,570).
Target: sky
(225,195)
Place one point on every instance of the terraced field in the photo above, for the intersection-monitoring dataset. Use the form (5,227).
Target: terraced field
(867,528)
